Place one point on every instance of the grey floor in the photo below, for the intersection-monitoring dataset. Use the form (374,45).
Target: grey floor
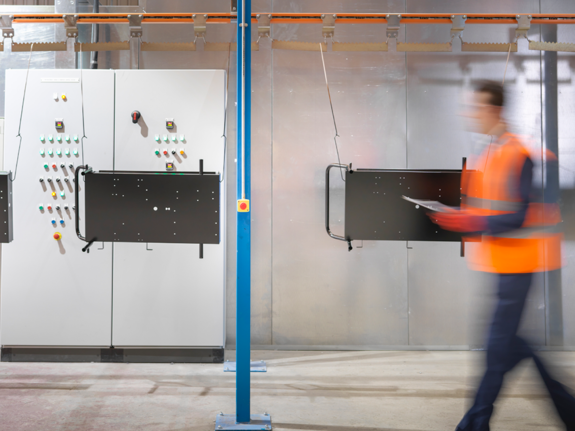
(331,391)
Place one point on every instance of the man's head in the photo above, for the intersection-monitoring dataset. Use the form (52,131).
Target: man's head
(486,106)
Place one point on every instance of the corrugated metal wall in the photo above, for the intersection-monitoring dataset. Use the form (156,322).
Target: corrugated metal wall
(394,110)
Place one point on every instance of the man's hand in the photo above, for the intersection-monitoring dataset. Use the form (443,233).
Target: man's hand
(458,221)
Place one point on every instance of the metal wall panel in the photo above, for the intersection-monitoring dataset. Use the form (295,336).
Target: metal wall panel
(440,285)
(566,77)
(322,294)
(261,210)
(306,288)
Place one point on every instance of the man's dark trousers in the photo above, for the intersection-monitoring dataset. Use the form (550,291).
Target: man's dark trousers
(505,350)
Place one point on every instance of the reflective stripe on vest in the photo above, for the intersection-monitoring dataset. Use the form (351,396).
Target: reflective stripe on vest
(491,204)
(526,232)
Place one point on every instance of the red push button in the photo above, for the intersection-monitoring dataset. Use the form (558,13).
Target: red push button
(165,152)
(57,236)
(243,206)
(54,166)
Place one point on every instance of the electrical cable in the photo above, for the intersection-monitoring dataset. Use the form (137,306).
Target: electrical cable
(22,113)
(332,114)
(224,134)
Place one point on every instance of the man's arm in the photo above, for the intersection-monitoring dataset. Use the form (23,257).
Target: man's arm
(462,221)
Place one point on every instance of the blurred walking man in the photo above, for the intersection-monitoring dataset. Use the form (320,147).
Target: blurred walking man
(512,235)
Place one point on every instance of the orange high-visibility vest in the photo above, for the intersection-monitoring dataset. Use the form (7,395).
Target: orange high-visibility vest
(490,188)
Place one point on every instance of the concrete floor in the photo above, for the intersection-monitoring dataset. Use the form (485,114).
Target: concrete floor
(331,391)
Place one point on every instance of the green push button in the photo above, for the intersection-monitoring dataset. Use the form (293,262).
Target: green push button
(157,152)
(41,207)
(46,166)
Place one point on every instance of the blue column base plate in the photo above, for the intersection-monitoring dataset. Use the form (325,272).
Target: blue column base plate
(257,422)
(255,367)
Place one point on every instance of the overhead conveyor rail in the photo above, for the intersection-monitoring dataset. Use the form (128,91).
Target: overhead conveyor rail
(265,20)
(299,18)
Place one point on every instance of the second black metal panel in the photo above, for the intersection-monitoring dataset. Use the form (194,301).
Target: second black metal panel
(152,207)
(375,210)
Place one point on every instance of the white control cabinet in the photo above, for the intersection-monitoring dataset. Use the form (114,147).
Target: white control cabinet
(119,294)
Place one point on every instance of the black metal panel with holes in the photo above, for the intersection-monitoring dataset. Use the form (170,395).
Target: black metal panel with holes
(5,207)
(161,207)
(375,209)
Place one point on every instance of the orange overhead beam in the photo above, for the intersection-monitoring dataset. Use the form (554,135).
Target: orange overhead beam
(300,18)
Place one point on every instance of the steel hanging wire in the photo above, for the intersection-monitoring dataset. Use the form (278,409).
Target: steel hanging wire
(225,131)
(507,62)
(82,100)
(332,113)
(22,112)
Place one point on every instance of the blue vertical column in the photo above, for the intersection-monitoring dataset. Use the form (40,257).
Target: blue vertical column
(243,257)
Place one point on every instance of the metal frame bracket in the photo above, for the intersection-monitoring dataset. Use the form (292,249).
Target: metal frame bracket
(328,25)
(458,25)
(393,21)
(6,25)
(135,22)
(70,25)
(264,25)
(327,227)
(200,25)
(523,26)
